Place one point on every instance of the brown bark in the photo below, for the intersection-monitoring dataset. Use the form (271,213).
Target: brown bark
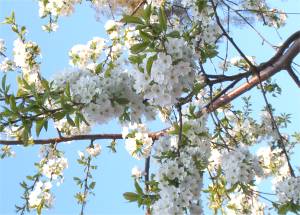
(282,63)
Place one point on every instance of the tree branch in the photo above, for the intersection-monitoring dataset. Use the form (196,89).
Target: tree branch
(294,76)
(228,37)
(154,136)
(281,61)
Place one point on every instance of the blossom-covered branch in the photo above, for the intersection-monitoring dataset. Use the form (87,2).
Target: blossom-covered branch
(283,59)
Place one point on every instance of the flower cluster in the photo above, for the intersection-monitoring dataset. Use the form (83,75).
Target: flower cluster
(87,183)
(112,28)
(241,62)
(240,166)
(104,97)
(56,8)
(271,17)
(25,54)
(64,127)
(86,56)
(270,160)
(288,190)
(116,34)
(241,128)
(267,126)
(170,74)
(6,151)
(131,36)
(94,150)
(241,203)
(181,170)
(41,195)
(136,172)
(208,32)
(137,143)
(180,181)
(7,65)
(53,166)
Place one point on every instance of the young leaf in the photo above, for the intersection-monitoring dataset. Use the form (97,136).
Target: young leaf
(138,188)
(145,36)
(67,90)
(39,125)
(12,103)
(162,18)
(3,82)
(132,20)
(131,197)
(150,63)
(92,185)
(173,34)
(137,48)
(122,101)
(147,13)
(70,120)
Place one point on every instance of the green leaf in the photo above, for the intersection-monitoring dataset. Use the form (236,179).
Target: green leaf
(99,68)
(77,120)
(138,188)
(23,30)
(39,208)
(137,59)
(12,103)
(137,48)
(201,4)
(122,101)
(210,51)
(112,146)
(232,189)
(59,115)
(146,36)
(4,82)
(39,125)
(150,63)
(92,185)
(162,18)
(9,20)
(147,13)
(284,209)
(45,84)
(76,179)
(131,197)
(70,120)
(67,90)
(173,34)
(46,125)
(186,128)
(23,184)
(132,20)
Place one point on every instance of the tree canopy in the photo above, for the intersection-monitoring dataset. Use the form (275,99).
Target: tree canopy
(180,64)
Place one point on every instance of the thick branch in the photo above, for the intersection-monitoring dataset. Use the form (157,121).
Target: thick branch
(283,63)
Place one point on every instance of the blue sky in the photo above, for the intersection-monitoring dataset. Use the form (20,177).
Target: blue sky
(113,173)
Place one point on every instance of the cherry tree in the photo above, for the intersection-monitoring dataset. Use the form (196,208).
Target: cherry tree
(169,61)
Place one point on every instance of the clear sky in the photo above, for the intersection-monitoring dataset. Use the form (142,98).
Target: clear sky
(113,173)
